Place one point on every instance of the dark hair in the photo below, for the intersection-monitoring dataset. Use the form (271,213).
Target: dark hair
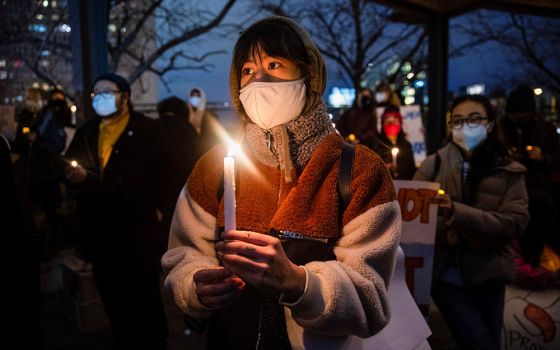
(490,153)
(482,100)
(275,38)
(521,100)
(121,83)
(172,106)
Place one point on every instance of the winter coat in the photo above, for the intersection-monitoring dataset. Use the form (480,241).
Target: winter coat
(405,158)
(498,215)
(348,255)
(360,122)
(117,211)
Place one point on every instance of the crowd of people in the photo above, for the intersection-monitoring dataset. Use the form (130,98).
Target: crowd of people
(313,251)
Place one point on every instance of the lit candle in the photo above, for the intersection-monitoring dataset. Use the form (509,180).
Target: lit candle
(394,153)
(229,192)
(74,164)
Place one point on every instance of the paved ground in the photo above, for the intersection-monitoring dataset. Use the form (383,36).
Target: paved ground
(65,328)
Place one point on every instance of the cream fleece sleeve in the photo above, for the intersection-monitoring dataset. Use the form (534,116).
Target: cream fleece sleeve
(349,295)
(191,248)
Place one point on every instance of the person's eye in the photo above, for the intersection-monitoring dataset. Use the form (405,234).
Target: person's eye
(274,65)
(246,71)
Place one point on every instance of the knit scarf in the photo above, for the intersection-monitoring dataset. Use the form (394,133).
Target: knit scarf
(299,137)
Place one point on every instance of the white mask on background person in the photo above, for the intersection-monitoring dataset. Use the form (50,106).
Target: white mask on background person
(104,106)
(195,101)
(468,138)
(381,97)
(269,104)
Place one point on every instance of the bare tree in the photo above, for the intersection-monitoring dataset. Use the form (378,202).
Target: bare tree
(530,43)
(354,34)
(153,35)
(157,36)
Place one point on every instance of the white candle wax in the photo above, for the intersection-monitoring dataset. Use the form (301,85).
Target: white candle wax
(394,153)
(229,193)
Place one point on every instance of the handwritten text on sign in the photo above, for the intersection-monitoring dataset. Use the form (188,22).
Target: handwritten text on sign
(418,234)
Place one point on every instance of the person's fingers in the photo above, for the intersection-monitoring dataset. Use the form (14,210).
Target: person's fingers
(246,249)
(216,289)
(239,264)
(217,301)
(249,237)
(210,275)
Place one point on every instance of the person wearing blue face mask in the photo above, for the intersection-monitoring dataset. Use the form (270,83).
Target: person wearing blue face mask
(484,208)
(126,179)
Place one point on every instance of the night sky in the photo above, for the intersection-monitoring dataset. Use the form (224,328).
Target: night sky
(484,64)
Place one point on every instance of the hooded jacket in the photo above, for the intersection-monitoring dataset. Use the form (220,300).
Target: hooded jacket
(348,255)
(497,215)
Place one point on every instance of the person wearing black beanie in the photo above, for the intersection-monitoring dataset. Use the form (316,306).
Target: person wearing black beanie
(127,179)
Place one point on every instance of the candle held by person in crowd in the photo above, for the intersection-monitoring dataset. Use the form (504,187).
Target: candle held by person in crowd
(394,153)
(229,191)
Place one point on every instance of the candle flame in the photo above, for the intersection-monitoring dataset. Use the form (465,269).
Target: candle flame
(25,130)
(394,151)
(233,149)
(74,163)
(529,148)
(441,192)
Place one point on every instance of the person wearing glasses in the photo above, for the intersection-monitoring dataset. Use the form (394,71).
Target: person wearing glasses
(483,210)
(127,180)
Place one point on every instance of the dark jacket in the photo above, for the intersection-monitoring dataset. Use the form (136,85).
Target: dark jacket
(188,144)
(117,211)
(534,132)
(360,122)
(497,215)
(405,159)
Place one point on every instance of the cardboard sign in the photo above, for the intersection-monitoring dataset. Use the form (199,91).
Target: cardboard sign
(419,221)
(413,127)
(531,319)
(8,122)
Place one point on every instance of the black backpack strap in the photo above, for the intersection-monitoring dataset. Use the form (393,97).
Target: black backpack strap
(437,164)
(345,174)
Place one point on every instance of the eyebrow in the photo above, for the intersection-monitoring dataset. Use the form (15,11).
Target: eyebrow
(468,115)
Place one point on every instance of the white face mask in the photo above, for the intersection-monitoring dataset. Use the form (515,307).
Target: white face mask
(195,101)
(104,106)
(468,138)
(380,97)
(269,104)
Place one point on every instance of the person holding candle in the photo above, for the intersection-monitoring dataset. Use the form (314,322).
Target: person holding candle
(393,147)
(126,179)
(300,268)
(482,210)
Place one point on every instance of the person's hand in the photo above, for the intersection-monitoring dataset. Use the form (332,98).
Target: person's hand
(261,261)
(535,153)
(217,287)
(444,203)
(75,173)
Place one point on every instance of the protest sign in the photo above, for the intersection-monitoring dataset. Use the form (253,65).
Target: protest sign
(419,220)
(531,319)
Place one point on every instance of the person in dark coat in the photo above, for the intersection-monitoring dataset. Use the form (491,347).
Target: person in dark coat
(127,180)
(359,123)
(392,139)
(43,180)
(19,266)
(531,140)
(174,115)
(203,124)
